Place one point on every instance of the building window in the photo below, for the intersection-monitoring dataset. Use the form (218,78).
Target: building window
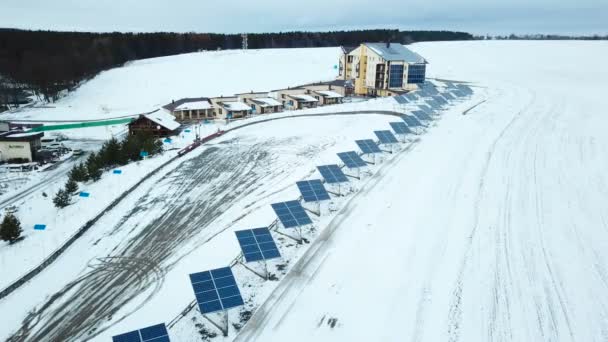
(416,73)
(350,59)
(396,76)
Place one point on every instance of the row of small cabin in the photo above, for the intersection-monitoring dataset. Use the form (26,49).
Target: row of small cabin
(242,105)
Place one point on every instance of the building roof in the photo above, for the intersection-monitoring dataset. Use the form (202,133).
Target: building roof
(164,119)
(20,136)
(205,104)
(336,83)
(266,101)
(347,49)
(395,52)
(171,106)
(329,94)
(238,106)
(253,92)
(303,98)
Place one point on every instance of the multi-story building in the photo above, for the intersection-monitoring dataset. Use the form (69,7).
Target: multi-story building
(383,69)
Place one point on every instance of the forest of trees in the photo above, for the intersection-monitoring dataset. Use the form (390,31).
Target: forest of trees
(46,63)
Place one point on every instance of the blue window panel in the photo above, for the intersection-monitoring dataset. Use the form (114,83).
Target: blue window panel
(416,73)
(202,286)
(400,128)
(386,137)
(368,146)
(223,282)
(154,331)
(132,336)
(228,291)
(210,307)
(232,302)
(395,76)
(201,276)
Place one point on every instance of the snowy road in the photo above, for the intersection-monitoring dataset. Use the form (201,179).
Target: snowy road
(493,228)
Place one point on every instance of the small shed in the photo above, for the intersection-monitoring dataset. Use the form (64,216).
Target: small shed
(159,124)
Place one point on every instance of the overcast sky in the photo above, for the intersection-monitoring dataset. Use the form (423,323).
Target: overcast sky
(231,16)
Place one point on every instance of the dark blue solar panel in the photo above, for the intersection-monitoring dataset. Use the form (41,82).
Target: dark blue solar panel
(429,88)
(313,190)
(420,115)
(400,128)
(409,97)
(216,290)
(257,244)
(332,174)
(433,104)
(368,146)
(291,214)
(351,159)
(400,99)
(426,109)
(458,93)
(466,89)
(155,333)
(386,137)
(411,121)
(450,85)
(448,96)
(440,99)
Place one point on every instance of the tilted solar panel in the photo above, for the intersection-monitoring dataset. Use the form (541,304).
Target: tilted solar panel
(257,244)
(216,290)
(386,137)
(411,121)
(351,159)
(368,146)
(155,333)
(291,214)
(332,174)
(313,190)
(400,128)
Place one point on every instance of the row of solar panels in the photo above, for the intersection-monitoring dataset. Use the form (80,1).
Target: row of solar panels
(428,92)
(217,290)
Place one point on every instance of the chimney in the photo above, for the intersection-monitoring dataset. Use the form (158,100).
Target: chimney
(388,44)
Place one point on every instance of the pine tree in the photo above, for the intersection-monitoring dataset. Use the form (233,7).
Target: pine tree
(93,167)
(10,229)
(62,199)
(71,186)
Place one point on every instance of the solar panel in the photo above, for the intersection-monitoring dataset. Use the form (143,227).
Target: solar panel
(433,104)
(400,128)
(440,100)
(426,109)
(332,174)
(430,88)
(351,159)
(423,93)
(400,99)
(411,121)
(291,214)
(420,115)
(447,96)
(313,190)
(257,244)
(450,85)
(368,146)
(465,89)
(386,137)
(155,333)
(216,290)
(458,93)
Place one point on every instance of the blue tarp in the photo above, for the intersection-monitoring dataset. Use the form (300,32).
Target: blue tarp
(143,154)
(84,194)
(117,172)
(40,226)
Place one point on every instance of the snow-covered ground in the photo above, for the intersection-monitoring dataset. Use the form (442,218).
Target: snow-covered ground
(488,227)
(148,84)
(493,228)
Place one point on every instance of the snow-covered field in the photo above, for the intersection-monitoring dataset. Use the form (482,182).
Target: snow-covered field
(487,227)
(148,84)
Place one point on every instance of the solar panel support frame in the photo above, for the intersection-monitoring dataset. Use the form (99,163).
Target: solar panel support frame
(224,325)
(318,212)
(265,275)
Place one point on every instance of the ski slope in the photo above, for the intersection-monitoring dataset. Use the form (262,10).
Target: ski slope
(493,228)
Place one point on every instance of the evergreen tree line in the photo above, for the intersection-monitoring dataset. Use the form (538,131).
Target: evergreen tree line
(112,153)
(47,63)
